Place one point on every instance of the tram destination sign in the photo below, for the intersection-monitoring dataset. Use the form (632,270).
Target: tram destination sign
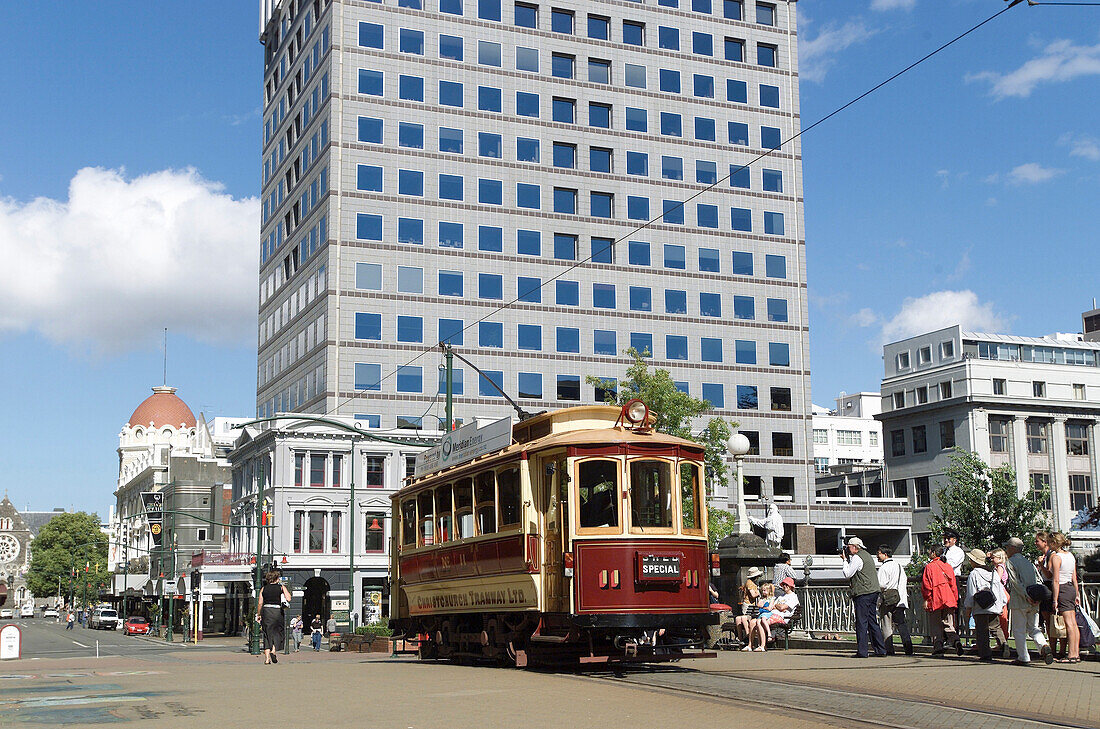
(658,567)
(463,445)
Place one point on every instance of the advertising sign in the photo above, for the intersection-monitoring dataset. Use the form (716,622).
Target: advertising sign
(153,501)
(372,606)
(463,445)
(11,641)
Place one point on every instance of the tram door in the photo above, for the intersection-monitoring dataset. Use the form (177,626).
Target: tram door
(555,486)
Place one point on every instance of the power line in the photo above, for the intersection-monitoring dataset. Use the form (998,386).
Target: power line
(708,188)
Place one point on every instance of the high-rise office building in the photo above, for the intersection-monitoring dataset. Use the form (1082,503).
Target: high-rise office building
(477,171)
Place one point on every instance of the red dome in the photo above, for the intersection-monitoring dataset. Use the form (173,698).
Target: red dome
(163,408)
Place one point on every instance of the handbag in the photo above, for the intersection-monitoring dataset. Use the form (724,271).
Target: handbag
(891,597)
(1038,592)
(985,598)
(1058,627)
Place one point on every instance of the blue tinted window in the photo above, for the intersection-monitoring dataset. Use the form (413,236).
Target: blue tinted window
(410,88)
(527,150)
(637,208)
(710,349)
(641,298)
(450,283)
(450,187)
(488,53)
(562,65)
(370,130)
(450,46)
(775,266)
(450,93)
(603,342)
(490,286)
(527,59)
(706,172)
(708,260)
(454,7)
(710,304)
(490,145)
(410,329)
(744,307)
(731,9)
(773,223)
(603,250)
(368,376)
(669,80)
(490,383)
(371,35)
(370,82)
(704,129)
(633,33)
(600,204)
(561,21)
(671,124)
(599,115)
(529,289)
(714,394)
(564,111)
(674,256)
(741,219)
(773,180)
(529,242)
(676,347)
(607,390)
(770,138)
(769,96)
(669,3)
(636,120)
(638,253)
(490,238)
(682,387)
(368,227)
(368,276)
(564,155)
(450,331)
(599,159)
(599,27)
(603,296)
(745,351)
(530,337)
(672,168)
(737,91)
(526,16)
(739,176)
(450,140)
(527,104)
(490,192)
(735,49)
(410,378)
(637,163)
(528,196)
(668,38)
(565,247)
(676,301)
(410,182)
(411,41)
(568,339)
(490,334)
(450,235)
(489,99)
(707,216)
(368,177)
(742,263)
(703,86)
(565,201)
(739,133)
(410,230)
(368,326)
(747,398)
(642,343)
(765,54)
(673,211)
(777,310)
(701,6)
(410,135)
(530,385)
(567,293)
(456,381)
(569,387)
(702,44)
(488,9)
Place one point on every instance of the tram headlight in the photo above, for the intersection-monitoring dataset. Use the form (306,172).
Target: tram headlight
(636,412)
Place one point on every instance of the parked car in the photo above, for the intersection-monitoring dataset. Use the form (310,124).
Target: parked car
(6,613)
(135,625)
(104,619)
(27,611)
(50,613)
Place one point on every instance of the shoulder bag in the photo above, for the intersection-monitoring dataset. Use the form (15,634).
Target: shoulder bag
(985,598)
(891,596)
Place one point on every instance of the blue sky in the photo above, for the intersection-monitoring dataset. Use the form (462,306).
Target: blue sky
(963,191)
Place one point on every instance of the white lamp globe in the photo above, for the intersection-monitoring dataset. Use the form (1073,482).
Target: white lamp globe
(738,445)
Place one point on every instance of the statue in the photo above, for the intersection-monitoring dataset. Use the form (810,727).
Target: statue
(772,523)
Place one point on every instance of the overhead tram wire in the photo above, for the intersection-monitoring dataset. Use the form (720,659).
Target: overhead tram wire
(712,186)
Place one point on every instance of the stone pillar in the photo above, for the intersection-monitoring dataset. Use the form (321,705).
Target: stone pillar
(1059,476)
(1018,453)
(805,541)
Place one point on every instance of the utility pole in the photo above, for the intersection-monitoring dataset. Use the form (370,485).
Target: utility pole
(449,358)
(352,516)
(171,575)
(254,631)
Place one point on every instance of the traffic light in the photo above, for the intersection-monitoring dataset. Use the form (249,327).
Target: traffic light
(195,579)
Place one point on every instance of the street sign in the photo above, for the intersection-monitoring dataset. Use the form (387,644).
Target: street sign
(11,642)
(153,502)
(339,604)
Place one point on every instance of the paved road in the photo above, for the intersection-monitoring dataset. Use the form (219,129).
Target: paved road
(44,638)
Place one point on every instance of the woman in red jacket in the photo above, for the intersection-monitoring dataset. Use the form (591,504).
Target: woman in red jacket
(941,598)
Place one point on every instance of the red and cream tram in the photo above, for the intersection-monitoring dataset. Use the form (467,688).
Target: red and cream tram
(584,539)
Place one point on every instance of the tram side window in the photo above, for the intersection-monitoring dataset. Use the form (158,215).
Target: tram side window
(408,523)
(650,494)
(598,482)
(464,509)
(689,497)
(508,494)
(425,507)
(443,514)
(486,506)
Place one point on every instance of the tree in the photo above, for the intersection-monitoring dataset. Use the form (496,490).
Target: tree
(983,505)
(674,411)
(68,540)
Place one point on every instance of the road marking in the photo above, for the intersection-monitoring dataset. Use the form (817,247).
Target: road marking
(80,644)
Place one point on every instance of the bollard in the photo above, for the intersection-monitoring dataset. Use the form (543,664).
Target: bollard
(97,649)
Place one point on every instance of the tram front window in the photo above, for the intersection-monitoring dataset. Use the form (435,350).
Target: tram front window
(443,513)
(650,494)
(598,483)
(508,490)
(486,500)
(464,509)
(689,497)
(408,523)
(425,506)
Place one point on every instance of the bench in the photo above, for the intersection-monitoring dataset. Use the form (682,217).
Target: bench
(784,631)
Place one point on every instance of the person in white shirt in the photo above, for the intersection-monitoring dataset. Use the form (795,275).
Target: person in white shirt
(954,555)
(983,579)
(892,577)
(1023,608)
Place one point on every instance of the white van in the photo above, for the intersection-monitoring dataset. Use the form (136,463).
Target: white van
(27,611)
(104,619)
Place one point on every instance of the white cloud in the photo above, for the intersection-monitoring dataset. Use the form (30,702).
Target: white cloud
(817,55)
(941,309)
(1032,173)
(962,266)
(892,4)
(1081,145)
(1061,61)
(864,318)
(122,258)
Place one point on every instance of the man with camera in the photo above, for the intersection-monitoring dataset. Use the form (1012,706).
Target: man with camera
(859,568)
(1025,592)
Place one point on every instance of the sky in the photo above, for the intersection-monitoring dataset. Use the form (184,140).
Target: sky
(963,192)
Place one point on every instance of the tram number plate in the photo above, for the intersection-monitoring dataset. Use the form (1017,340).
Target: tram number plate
(659,567)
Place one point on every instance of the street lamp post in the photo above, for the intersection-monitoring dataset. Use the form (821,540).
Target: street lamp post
(739,446)
(352,515)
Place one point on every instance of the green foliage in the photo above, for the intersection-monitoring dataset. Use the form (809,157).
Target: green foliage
(375,630)
(982,504)
(66,541)
(720,524)
(915,569)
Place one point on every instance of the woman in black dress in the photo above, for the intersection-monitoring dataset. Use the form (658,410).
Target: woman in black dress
(269,612)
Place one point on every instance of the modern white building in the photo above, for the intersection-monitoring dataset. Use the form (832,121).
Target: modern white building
(849,433)
(479,172)
(1029,402)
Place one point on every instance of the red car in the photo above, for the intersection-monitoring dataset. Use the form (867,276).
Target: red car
(135,626)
